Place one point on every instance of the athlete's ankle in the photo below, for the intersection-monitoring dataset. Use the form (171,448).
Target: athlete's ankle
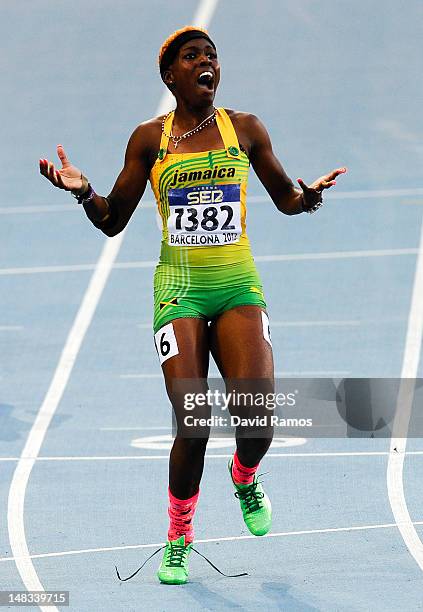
(242,474)
(181,514)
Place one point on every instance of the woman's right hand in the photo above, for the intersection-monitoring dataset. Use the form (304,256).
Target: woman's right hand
(68,178)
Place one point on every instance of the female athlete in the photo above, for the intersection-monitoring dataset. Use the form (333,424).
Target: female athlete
(208,297)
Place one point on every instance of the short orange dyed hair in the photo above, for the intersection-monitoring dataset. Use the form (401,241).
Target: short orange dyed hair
(168,48)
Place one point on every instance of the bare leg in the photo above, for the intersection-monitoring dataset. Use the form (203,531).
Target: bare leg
(187,455)
(241,352)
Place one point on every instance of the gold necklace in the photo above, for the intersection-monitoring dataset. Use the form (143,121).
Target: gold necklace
(177,139)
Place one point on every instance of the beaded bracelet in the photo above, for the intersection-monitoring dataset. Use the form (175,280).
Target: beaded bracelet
(85,193)
(314,208)
(85,197)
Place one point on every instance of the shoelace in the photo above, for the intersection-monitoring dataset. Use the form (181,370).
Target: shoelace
(250,496)
(176,555)
(179,555)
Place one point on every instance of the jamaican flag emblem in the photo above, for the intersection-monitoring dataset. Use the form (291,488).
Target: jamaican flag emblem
(172,302)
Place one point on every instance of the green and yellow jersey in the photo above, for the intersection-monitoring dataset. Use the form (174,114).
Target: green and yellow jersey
(201,200)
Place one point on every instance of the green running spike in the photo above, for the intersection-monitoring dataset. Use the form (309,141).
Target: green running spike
(255,505)
(174,566)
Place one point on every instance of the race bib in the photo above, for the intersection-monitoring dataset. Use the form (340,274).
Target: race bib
(204,215)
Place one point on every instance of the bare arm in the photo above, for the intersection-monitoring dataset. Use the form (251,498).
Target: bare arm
(269,170)
(278,185)
(110,214)
(129,186)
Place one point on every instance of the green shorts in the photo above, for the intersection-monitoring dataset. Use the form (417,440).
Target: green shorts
(196,300)
(204,292)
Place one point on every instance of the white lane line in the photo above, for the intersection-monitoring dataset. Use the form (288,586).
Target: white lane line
(314,373)
(205,12)
(43,208)
(280,534)
(15,513)
(315,323)
(341,323)
(16,499)
(47,269)
(335,195)
(336,255)
(153,428)
(404,407)
(129,376)
(73,268)
(127,265)
(56,208)
(287,374)
(286,455)
(358,195)
(375,193)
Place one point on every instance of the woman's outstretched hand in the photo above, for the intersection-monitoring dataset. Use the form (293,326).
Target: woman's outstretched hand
(68,178)
(312,194)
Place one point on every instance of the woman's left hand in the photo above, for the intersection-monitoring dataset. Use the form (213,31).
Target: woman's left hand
(312,194)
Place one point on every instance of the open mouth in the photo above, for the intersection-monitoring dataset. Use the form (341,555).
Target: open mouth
(206,80)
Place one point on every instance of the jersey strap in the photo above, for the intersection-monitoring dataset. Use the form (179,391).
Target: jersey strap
(227,131)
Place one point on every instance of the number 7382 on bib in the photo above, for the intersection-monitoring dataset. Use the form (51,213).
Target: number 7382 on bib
(204,215)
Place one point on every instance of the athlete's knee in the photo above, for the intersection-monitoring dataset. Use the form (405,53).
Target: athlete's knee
(251,456)
(191,447)
(251,450)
